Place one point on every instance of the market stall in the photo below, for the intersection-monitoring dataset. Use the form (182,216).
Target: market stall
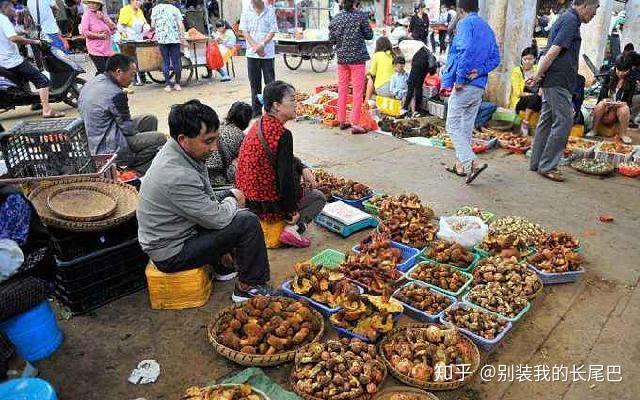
(300,34)
(149,60)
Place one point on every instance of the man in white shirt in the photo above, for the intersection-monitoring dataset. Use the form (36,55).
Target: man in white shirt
(47,21)
(258,25)
(12,60)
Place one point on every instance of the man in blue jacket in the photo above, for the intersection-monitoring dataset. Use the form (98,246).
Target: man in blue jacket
(473,54)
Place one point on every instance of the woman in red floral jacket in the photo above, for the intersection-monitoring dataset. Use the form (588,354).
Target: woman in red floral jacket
(270,176)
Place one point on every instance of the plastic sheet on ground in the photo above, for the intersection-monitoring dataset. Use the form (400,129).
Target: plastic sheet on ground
(259,380)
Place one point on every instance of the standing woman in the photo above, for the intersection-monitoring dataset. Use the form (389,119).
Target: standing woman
(132,24)
(349,30)
(97,28)
(166,19)
(419,24)
(131,21)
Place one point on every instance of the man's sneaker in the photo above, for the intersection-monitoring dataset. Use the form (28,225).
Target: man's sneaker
(240,295)
(223,274)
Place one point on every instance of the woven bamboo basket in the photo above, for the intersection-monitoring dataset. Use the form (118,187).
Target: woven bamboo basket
(475,363)
(125,195)
(256,360)
(388,393)
(97,206)
(362,396)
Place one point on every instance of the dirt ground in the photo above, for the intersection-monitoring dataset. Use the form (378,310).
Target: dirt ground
(590,323)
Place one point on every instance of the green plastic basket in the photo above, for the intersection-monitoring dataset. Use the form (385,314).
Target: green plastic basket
(329,258)
(508,116)
(370,208)
(476,259)
(454,294)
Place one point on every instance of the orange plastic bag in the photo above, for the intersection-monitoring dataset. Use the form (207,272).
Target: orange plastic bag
(214,57)
(366,120)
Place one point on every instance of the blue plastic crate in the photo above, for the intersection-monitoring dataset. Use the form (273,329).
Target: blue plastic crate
(342,229)
(417,314)
(485,344)
(439,289)
(409,255)
(476,259)
(515,319)
(548,278)
(323,308)
(348,333)
(355,203)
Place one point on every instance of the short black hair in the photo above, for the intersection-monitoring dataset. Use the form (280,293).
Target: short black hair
(348,5)
(187,119)
(577,3)
(529,51)
(222,23)
(399,60)
(239,115)
(275,92)
(5,3)
(624,63)
(119,61)
(383,44)
(468,5)
(628,48)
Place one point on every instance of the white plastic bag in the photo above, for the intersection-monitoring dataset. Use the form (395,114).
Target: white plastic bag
(465,230)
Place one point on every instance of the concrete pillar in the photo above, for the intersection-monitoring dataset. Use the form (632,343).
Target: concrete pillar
(595,35)
(512,23)
(631,32)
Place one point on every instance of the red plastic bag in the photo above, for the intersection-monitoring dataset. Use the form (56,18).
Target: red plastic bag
(214,58)
(366,120)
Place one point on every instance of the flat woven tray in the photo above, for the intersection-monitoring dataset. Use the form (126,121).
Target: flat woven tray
(578,165)
(256,360)
(81,203)
(363,396)
(388,393)
(125,195)
(475,364)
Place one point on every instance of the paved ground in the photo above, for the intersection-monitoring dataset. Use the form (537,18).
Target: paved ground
(593,322)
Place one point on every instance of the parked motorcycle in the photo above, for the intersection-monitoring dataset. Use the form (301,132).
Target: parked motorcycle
(65,83)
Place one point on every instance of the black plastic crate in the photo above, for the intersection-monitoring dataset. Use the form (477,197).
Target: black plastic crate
(68,246)
(41,148)
(99,298)
(89,271)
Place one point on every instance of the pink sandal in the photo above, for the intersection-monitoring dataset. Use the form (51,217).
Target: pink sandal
(293,239)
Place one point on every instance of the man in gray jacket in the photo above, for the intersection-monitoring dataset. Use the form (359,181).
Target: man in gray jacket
(183,224)
(104,107)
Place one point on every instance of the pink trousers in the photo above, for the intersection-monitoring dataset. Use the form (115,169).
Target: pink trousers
(354,74)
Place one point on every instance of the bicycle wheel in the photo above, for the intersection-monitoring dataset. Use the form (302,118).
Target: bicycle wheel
(320,58)
(292,61)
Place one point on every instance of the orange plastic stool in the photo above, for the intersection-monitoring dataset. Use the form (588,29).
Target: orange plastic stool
(272,231)
(178,290)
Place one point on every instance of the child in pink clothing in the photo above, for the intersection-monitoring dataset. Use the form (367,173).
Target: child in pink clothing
(97,28)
